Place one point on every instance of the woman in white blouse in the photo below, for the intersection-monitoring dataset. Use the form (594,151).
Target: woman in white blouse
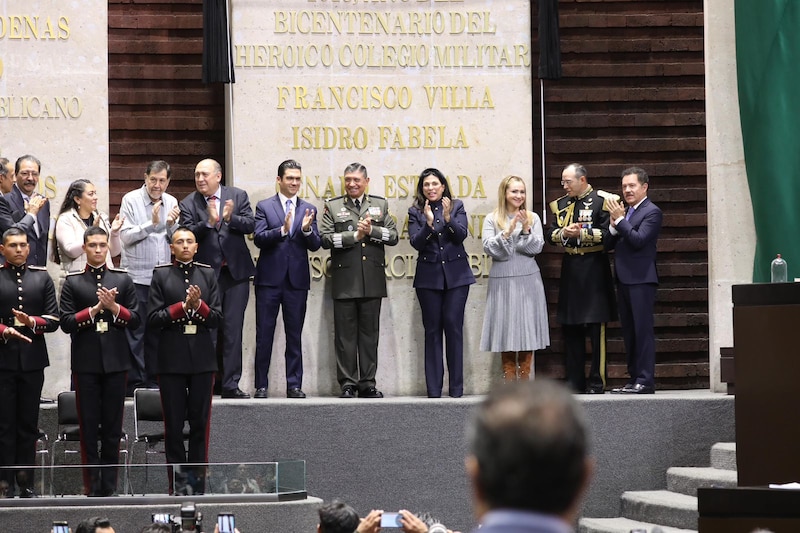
(515,320)
(78,212)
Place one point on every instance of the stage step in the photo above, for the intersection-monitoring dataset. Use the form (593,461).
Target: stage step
(661,507)
(686,480)
(723,456)
(624,525)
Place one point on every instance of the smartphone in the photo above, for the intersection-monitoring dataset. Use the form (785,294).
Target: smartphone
(390,520)
(226,522)
(162,518)
(60,526)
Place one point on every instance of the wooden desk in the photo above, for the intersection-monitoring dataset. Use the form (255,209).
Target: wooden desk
(743,509)
(766,333)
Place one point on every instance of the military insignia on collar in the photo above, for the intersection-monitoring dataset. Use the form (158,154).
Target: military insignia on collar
(588,204)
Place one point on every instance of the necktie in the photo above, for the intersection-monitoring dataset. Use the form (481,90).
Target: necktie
(629,214)
(358,204)
(291,220)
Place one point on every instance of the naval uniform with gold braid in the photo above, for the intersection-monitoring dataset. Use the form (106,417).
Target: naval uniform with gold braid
(101,358)
(187,359)
(586,292)
(30,290)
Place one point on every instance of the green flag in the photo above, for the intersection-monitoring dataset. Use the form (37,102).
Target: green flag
(768,64)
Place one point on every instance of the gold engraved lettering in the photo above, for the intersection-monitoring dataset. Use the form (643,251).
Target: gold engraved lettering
(428,137)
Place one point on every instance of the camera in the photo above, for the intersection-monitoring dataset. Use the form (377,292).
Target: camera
(226,523)
(60,526)
(190,519)
(390,520)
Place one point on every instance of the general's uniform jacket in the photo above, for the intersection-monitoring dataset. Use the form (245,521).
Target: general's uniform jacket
(99,346)
(357,268)
(184,340)
(31,290)
(586,293)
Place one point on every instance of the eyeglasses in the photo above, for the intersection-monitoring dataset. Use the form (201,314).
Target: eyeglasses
(567,182)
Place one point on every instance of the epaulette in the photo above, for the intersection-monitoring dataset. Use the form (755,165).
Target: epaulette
(164,265)
(35,267)
(120,270)
(376,196)
(75,273)
(554,203)
(335,198)
(607,197)
(202,265)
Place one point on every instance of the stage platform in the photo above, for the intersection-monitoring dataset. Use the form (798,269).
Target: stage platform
(409,453)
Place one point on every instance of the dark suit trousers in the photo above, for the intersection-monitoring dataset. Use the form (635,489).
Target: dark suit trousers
(234,295)
(186,397)
(293,303)
(636,303)
(101,405)
(356,323)
(144,347)
(443,312)
(19,424)
(575,363)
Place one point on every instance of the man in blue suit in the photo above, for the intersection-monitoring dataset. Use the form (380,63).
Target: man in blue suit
(529,462)
(286,229)
(634,233)
(25,201)
(220,217)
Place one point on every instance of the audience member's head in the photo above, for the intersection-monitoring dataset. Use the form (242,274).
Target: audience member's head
(156,527)
(337,517)
(95,525)
(529,450)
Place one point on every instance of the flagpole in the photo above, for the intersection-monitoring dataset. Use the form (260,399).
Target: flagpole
(544,173)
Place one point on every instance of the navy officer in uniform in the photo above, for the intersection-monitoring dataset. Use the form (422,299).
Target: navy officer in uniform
(355,228)
(184,306)
(98,304)
(28,310)
(586,291)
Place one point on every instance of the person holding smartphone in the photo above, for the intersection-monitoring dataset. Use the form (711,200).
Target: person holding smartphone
(515,322)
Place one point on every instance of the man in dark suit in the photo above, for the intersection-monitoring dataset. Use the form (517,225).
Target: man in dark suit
(97,305)
(183,310)
(28,310)
(634,234)
(26,202)
(220,217)
(6,185)
(355,228)
(529,463)
(286,229)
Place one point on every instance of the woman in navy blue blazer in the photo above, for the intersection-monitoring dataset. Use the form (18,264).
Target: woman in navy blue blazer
(437,227)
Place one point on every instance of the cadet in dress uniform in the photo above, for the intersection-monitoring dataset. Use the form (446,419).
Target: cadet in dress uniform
(183,307)
(586,292)
(97,305)
(28,309)
(355,228)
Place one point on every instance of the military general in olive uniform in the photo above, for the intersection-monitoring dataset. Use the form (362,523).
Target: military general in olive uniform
(356,227)
(586,293)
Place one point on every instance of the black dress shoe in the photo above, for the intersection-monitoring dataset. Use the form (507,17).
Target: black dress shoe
(261,392)
(624,388)
(295,393)
(638,388)
(28,493)
(237,393)
(595,390)
(370,392)
(348,392)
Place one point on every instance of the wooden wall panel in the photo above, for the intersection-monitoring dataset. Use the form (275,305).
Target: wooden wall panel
(159,107)
(632,93)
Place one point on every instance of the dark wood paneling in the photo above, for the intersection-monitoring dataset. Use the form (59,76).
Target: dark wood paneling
(633,94)
(158,106)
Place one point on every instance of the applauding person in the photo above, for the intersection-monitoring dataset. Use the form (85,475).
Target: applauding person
(437,227)
(515,322)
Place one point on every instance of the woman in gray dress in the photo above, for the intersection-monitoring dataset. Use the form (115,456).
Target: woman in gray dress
(515,321)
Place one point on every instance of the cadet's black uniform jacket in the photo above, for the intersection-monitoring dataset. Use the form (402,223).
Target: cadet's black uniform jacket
(182,350)
(95,351)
